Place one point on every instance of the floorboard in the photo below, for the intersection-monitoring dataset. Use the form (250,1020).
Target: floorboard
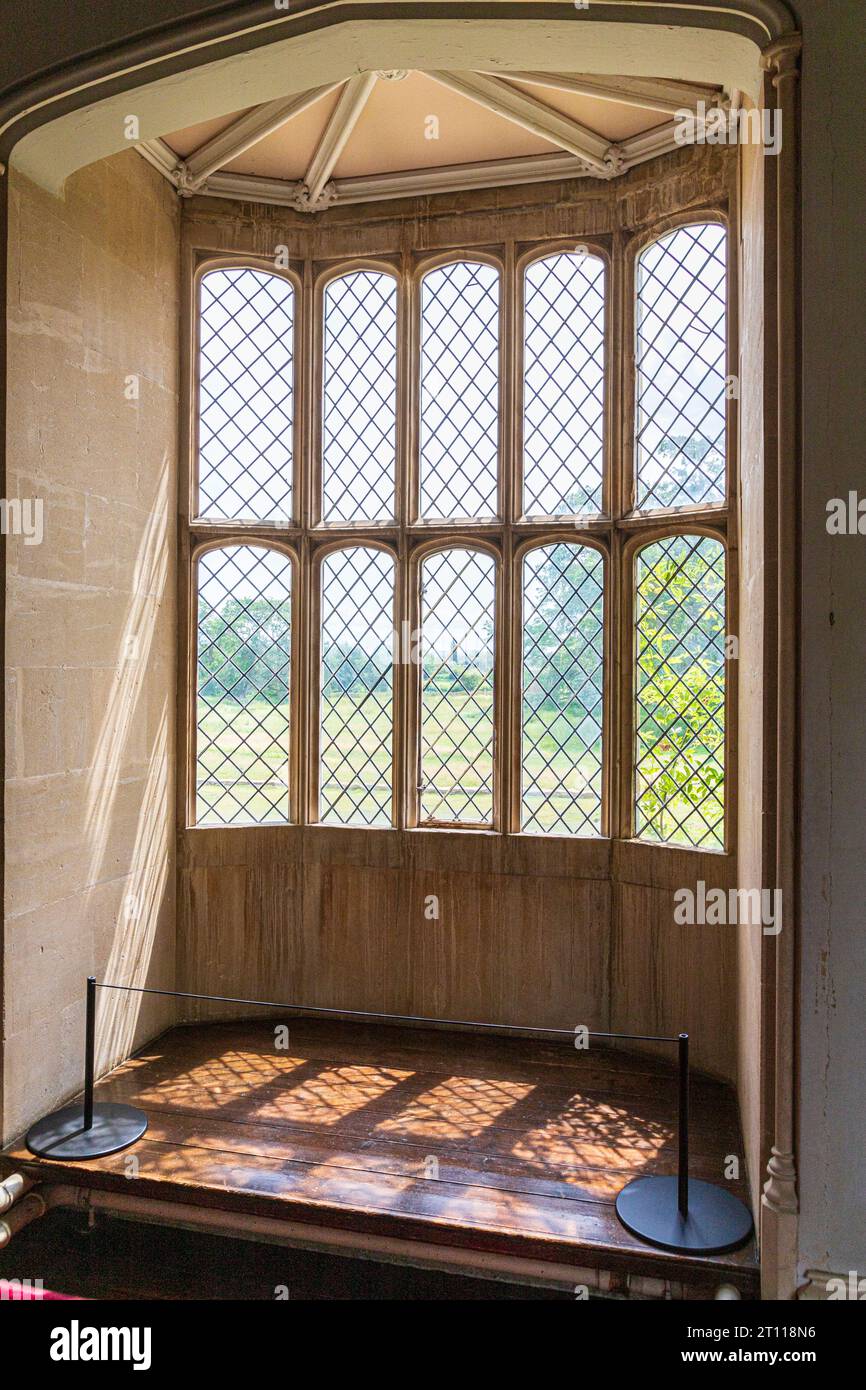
(504,1145)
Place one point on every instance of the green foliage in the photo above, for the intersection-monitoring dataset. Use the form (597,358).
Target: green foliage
(679,742)
(349,669)
(563,639)
(244,650)
(680,733)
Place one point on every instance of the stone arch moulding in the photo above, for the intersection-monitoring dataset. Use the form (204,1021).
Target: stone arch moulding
(192,68)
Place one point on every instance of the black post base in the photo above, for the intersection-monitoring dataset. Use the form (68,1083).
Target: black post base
(717,1220)
(62,1135)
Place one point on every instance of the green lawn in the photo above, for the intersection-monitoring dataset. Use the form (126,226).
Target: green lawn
(355,750)
(243,763)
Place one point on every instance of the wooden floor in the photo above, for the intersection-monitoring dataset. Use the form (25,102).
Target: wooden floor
(506,1146)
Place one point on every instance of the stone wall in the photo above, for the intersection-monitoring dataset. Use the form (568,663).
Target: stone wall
(831,1142)
(91,620)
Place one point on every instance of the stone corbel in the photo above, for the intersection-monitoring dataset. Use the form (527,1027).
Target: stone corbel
(184,181)
(302,202)
(614,160)
(781,59)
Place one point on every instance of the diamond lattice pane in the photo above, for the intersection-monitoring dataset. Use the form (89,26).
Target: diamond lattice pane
(246,327)
(563,386)
(680,692)
(458,598)
(359,411)
(563,690)
(244,663)
(680,364)
(459,390)
(356,682)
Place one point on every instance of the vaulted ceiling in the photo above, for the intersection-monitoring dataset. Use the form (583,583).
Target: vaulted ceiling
(395,134)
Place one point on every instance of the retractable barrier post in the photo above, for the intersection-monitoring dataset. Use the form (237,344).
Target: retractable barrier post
(678,1213)
(683,1127)
(683,1214)
(89,1049)
(87,1128)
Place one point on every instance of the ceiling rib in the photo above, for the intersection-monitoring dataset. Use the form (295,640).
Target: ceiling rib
(353,99)
(582,151)
(453,178)
(648,95)
(244,132)
(408,183)
(161,156)
(660,140)
(411,183)
(534,116)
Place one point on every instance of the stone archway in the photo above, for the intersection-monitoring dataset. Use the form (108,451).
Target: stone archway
(76,118)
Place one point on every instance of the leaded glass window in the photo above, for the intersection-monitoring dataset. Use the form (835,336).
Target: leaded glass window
(563,385)
(680,691)
(681,351)
(246,395)
(457,659)
(243,687)
(356,687)
(461,550)
(562,690)
(359,407)
(459,390)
